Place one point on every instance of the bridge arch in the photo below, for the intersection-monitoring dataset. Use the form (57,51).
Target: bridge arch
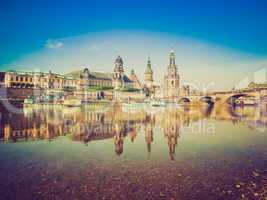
(232,98)
(184,100)
(207,99)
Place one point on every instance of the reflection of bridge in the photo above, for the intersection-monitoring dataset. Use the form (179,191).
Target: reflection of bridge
(86,125)
(225,97)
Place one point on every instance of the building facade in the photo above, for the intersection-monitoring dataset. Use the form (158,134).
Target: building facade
(38,80)
(171,87)
(77,80)
(88,79)
(120,80)
(148,75)
(88,84)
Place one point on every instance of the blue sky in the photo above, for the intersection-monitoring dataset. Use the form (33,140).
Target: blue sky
(26,25)
(29,27)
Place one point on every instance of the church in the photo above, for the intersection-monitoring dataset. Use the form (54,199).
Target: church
(171,87)
(117,80)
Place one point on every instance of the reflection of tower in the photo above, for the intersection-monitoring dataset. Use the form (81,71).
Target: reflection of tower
(34,131)
(49,79)
(172,131)
(7,132)
(172,79)
(149,75)
(149,136)
(118,139)
(133,135)
(118,73)
(172,142)
(84,79)
(36,81)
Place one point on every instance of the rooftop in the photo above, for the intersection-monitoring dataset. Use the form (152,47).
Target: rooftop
(96,75)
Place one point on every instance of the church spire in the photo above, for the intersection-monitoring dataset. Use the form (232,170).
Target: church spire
(132,72)
(148,67)
(149,74)
(148,59)
(172,58)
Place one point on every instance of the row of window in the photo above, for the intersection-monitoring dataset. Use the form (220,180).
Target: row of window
(67,82)
(30,79)
(101,83)
(21,79)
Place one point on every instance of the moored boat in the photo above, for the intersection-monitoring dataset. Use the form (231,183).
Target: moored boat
(157,103)
(28,101)
(72,102)
(173,105)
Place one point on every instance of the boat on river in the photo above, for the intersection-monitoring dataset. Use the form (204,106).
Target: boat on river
(28,101)
(132,106)
(173,105)
(72,102)
(157,103)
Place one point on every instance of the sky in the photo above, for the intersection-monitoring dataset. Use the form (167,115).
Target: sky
(212,40)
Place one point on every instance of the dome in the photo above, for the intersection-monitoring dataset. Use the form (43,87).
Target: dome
(85,73)
(119,60)
(86,70)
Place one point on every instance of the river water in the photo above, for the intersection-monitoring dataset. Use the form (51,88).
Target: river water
(123,152)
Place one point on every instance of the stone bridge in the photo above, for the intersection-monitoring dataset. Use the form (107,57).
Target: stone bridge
(225,97)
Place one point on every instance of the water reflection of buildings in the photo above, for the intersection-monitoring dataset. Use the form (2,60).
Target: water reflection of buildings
(23,127)
(171,121)
(172,130)
(150,123)
(253,116)
(89,124)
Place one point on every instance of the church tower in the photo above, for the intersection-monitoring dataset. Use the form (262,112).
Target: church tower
(118,73)
(149,74)
(172,79)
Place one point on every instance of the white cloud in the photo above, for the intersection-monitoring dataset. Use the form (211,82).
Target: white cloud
(54,44)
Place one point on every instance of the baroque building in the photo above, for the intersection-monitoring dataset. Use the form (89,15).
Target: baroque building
(120,80)
(87,84)
(171,87)
(88,78)
(38,80)
(149,75)
(77,80)
(118,73)
(149,87)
